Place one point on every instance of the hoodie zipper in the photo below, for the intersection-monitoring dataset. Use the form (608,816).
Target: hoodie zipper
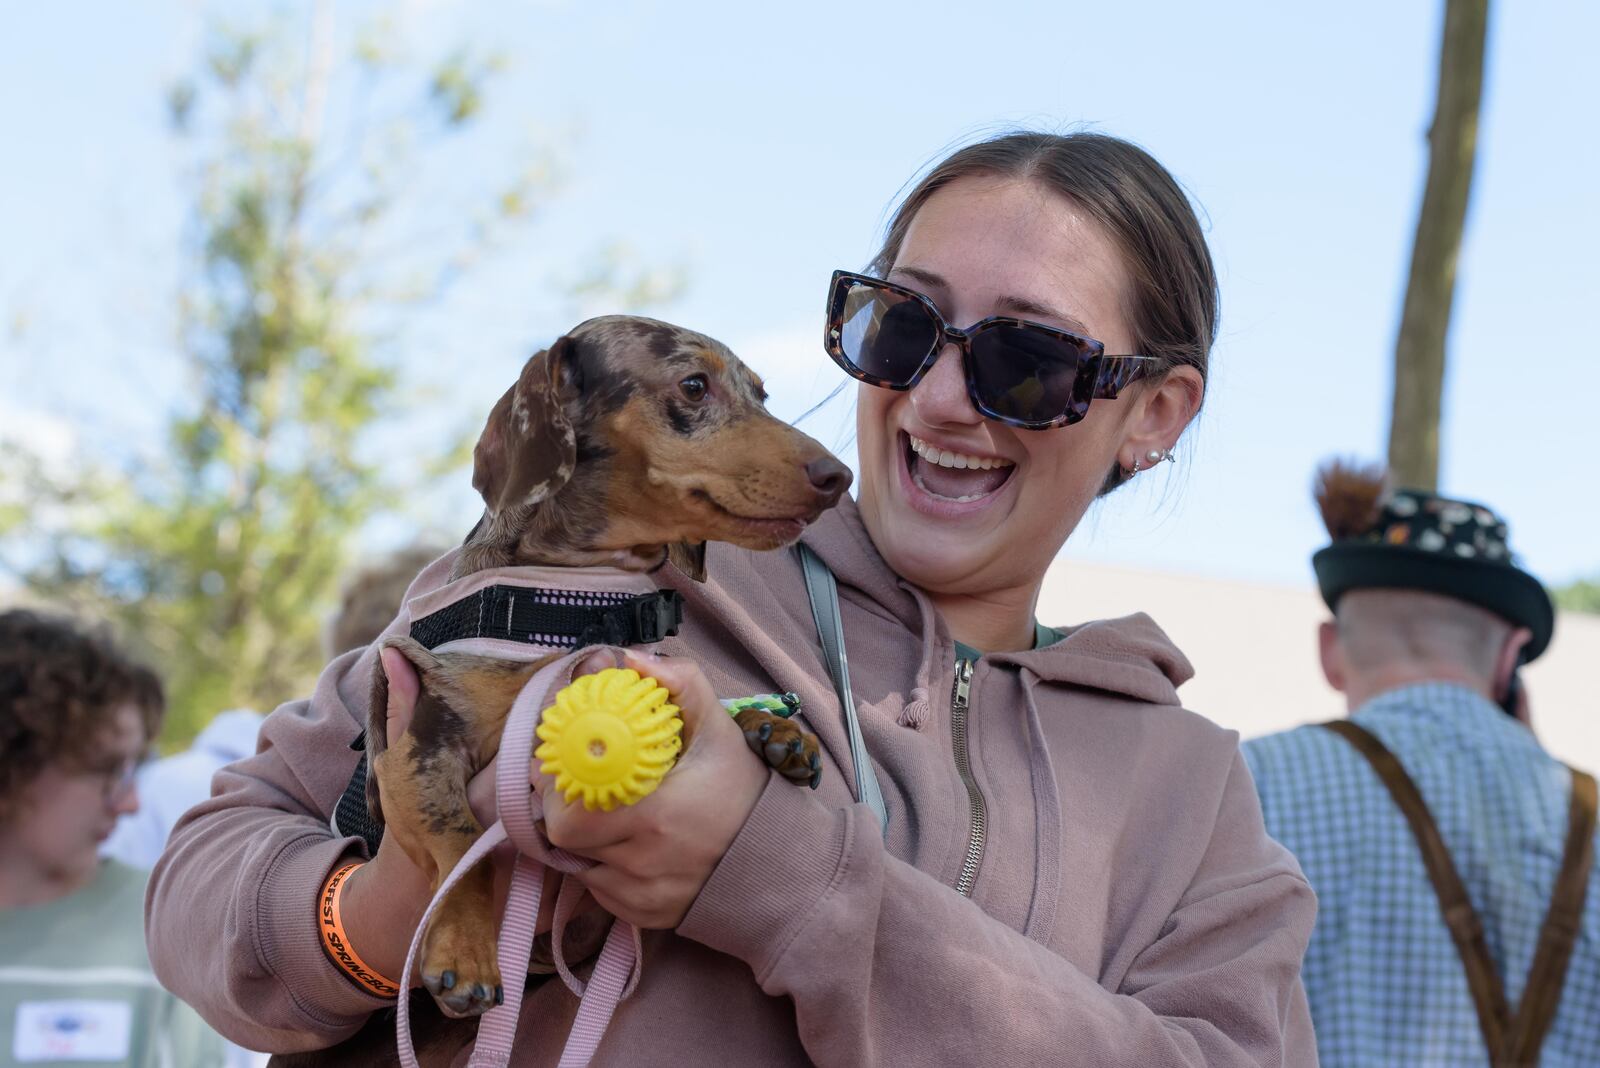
(980,817)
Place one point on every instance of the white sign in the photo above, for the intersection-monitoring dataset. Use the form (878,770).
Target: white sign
(79,1030)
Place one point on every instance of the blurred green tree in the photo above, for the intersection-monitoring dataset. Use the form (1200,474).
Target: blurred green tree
(1580,596)
(221,560)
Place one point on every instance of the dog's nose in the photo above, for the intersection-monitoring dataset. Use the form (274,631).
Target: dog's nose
(829,477)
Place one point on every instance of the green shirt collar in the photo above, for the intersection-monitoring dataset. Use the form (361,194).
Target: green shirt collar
(1042,636)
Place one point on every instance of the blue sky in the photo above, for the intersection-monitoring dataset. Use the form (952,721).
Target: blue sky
(762,145)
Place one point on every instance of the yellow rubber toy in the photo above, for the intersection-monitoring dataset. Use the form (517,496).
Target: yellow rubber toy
(609,738)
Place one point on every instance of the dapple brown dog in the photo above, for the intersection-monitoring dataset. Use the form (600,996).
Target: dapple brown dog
(628,442)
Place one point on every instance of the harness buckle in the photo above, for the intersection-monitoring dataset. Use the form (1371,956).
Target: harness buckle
(656,616)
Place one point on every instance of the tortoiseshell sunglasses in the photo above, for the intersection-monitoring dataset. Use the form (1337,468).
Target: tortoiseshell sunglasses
(1020,373)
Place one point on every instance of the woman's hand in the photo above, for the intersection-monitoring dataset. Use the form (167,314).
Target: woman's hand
(654,857)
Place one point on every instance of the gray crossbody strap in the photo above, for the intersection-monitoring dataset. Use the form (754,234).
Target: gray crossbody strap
(824,594)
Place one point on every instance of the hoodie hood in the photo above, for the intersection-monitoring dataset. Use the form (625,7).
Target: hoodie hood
(1130,656)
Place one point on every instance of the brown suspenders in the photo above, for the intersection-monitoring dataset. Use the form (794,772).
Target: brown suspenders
(1560,930)
(1512,1040)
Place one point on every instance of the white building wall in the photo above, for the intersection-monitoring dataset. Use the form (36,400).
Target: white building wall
(1254,648)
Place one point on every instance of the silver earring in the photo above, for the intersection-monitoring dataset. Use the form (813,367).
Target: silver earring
(1135,470)
(1171,456)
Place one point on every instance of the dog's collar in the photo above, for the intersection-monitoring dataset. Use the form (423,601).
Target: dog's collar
(565,619)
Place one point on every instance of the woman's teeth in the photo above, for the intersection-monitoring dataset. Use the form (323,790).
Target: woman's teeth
(955,476)
(958,460)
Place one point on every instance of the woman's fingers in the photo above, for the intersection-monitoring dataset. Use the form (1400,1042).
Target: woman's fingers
(574,828)
(690,689)
(649,905)
(404,687)
(598,660)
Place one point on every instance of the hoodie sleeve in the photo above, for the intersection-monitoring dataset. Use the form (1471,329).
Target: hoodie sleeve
(885,964)
(230,914)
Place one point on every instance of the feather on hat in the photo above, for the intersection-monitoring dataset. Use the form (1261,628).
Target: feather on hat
(1350,496)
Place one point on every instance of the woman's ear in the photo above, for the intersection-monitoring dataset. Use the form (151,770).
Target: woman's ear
(1160,415)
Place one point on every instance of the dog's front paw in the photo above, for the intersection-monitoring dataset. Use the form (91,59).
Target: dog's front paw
(792,752)
(458,965)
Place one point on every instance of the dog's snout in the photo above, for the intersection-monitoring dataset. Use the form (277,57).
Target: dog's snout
(829,477)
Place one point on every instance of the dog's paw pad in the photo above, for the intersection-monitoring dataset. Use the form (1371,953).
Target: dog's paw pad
(459,999)
(792,752)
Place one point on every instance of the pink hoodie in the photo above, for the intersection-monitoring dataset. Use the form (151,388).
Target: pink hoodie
(1128,906)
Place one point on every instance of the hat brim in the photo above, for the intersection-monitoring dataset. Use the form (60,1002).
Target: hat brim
(1504,589)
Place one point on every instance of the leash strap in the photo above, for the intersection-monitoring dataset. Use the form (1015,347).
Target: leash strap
(1511,1040)
(823,592)
(617,970)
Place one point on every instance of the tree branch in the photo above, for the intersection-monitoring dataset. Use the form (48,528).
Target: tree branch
(1419,358)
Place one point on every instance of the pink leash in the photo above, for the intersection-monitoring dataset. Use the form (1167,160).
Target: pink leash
(617,970)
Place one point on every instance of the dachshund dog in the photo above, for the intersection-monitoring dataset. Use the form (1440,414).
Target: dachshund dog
(629,442)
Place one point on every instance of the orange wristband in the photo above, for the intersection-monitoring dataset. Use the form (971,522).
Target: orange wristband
(337,943)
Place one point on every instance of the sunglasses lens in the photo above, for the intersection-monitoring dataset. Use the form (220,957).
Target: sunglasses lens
(1029,376)
(885,335)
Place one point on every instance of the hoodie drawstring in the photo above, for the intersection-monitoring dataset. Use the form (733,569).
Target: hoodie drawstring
(919,710)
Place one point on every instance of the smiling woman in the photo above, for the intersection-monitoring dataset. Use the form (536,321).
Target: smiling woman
(1059,863)
(1095,246)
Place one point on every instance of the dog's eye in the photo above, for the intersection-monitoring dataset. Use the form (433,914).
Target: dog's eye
(694,387)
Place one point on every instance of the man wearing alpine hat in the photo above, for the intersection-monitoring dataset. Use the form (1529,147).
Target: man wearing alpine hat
(1453,858)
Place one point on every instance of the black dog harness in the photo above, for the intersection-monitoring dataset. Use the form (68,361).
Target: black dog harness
(566,619)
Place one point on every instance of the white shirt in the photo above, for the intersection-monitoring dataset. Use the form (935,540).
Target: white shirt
(173,785)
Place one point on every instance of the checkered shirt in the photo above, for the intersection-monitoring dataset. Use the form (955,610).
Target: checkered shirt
(1385,982)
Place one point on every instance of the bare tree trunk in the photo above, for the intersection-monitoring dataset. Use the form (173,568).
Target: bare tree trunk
(1419,351)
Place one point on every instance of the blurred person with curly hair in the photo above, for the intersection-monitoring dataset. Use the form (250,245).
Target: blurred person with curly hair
(372,597)
(76,716)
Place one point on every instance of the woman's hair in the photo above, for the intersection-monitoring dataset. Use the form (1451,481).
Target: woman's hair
(1173,305)
(59,686)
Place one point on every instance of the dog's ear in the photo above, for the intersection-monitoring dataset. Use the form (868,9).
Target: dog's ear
(689,557)
(527,450)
